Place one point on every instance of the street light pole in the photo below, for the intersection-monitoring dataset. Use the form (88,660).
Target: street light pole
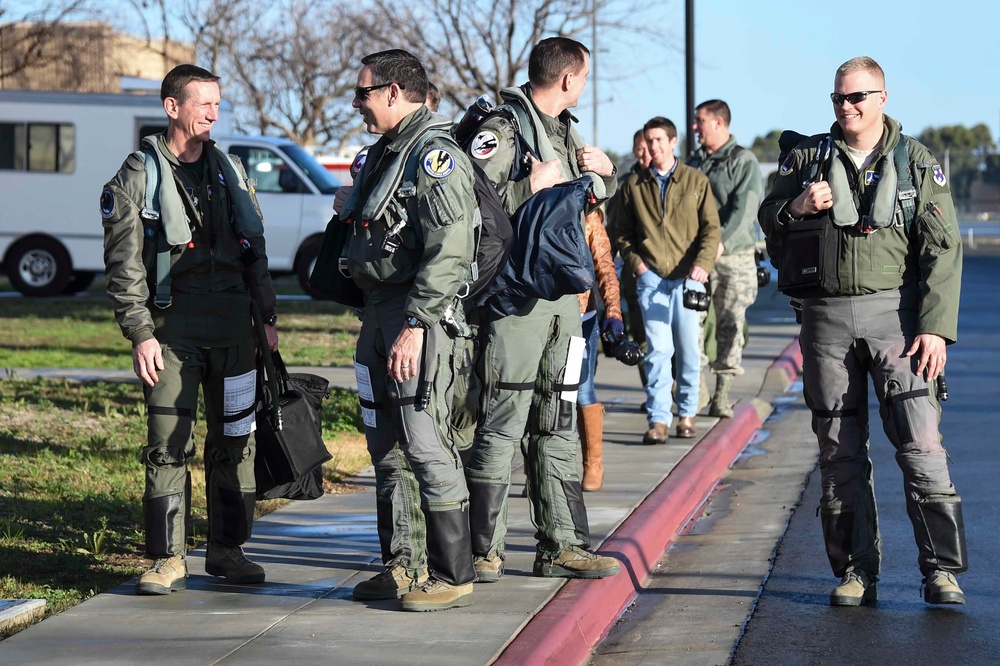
(689,78)
(593,63)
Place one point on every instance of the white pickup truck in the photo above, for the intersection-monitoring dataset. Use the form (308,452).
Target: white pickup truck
(57,150)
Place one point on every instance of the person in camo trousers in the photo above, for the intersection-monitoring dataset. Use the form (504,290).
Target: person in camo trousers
(734,174)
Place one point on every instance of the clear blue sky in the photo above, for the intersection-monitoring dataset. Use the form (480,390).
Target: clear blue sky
(773,62)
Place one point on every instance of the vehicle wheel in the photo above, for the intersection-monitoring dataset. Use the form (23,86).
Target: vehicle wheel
(39,266)
(304,263)
(80,281)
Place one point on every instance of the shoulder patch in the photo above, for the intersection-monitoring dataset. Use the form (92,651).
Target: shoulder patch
(484,146)
(786,166)
(107,203)
(939,175)
(438,163)
(359,162)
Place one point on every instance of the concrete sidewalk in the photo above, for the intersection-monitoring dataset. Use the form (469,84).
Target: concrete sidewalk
(315,552)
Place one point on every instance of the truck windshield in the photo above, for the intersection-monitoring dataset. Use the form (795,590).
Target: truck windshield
(321,178)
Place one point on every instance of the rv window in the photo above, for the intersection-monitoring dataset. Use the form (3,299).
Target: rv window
(37,147)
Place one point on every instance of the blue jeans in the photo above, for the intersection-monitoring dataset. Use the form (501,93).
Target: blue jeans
(588,393)
(670,329)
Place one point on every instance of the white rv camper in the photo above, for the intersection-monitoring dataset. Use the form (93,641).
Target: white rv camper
(58,149)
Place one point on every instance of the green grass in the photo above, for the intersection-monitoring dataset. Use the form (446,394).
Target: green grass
(80,332)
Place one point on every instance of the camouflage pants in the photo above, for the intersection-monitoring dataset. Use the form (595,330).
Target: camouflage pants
(734,289)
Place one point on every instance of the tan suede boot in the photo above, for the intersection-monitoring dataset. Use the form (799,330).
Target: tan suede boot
(591,425)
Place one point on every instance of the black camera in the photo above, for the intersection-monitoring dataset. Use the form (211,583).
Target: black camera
(695,299)
(622,348)
(763,272)
(763,277)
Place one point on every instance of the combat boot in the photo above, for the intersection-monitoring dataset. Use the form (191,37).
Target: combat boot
(436,595)
(391,583)
(168,574)
(720,401)
(856,588)
(575,562)
(591,437)
(230,563)
(489,569)
(941,588)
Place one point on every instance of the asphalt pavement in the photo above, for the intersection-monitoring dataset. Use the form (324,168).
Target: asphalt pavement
(315,552)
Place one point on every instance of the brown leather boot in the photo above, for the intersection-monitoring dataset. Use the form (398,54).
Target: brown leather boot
(591,425)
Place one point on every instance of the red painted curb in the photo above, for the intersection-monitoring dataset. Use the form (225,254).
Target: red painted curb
(579,615)
(789,362)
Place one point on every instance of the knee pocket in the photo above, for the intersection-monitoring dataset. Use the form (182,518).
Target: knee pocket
(164,456)
(901,407)
(231,455)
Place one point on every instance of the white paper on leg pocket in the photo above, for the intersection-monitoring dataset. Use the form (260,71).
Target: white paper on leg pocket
(574,364)
(239,394)
(365,393)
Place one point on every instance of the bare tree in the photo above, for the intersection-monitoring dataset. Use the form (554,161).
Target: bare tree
(476,46)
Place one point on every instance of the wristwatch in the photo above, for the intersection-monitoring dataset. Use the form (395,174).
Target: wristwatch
(413,322)
(272,320)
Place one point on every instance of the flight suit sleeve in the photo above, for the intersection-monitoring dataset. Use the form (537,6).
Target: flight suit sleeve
(446,207)
(257,276)
(125,273)
(787,186)
(493,150)
(939,247)
(709,229)
(745,198)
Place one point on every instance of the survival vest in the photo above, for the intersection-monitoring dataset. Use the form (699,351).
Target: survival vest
(164,231)
(550,256)
(807,256)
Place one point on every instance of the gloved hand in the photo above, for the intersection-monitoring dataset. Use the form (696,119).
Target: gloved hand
(611,328)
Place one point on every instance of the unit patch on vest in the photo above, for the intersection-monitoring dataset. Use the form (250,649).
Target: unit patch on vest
(359,163)
(485,145)
(939,175)
(786,166)
(107,203)
(871,177)
(438,163)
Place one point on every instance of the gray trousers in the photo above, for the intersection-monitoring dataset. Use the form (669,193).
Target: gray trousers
(844,340)
(524,365)
(416,464)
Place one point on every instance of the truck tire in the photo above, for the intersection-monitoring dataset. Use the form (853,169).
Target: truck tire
(304,262)
(80,281)
(38,266)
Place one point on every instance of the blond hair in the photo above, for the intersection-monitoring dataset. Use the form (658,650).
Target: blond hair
(862,64)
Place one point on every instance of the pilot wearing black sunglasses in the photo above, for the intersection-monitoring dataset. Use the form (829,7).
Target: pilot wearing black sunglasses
(884,302)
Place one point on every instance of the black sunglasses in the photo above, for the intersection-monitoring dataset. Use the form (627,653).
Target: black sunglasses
(853,98)
(362,93)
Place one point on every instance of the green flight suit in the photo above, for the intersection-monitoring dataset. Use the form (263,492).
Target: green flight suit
(206,334)
(897,282)
(415,272)
(524,364)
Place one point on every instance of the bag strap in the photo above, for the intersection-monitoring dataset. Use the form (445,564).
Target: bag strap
(270,399)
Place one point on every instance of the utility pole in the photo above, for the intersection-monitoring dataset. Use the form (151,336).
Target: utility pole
(593,64)
(689,78)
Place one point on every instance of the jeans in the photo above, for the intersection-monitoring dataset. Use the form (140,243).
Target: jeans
(588,393)
(670,329)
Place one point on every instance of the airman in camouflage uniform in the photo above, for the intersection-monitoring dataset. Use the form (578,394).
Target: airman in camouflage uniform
(735,178)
